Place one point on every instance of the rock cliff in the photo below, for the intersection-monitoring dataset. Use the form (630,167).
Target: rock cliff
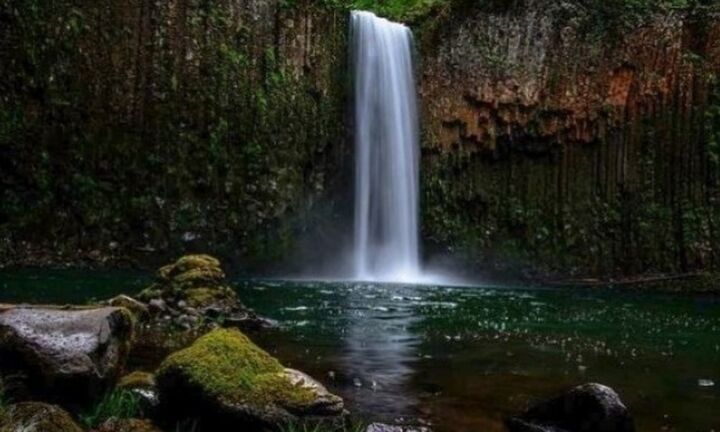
(577,136)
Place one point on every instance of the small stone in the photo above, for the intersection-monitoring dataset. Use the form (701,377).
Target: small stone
(157,305)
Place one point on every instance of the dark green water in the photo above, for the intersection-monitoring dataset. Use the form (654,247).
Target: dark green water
(462,358)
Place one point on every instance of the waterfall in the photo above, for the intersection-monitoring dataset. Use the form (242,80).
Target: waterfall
(386,151)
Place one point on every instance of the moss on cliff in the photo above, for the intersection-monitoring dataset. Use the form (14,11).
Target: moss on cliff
(164,126)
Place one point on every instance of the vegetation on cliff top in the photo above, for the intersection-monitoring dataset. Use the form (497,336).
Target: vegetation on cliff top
(606,13)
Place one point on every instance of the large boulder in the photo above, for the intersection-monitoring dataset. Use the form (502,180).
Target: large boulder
(70,356)
(36,417)
(586,408)
(224,379)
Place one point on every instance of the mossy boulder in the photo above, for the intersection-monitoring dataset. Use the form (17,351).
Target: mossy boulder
(192,293)
(191,271)
(202,297)
(36,417)
(68,356)
(225,379)
(191,262)
(192,279)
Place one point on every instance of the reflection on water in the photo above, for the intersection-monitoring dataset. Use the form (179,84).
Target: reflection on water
(462,358)
(380,348)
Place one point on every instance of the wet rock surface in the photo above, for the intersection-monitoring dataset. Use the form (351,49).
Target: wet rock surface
(66,355)
(36,417)
(587,408)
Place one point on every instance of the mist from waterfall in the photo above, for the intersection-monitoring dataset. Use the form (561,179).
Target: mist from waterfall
(386,226)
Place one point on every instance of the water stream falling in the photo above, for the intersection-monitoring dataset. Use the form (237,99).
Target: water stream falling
(386,143)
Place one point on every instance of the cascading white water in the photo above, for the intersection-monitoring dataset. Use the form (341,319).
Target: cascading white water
(386,143)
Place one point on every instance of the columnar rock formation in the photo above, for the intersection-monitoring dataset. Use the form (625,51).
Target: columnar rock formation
(557,135)
(154,126)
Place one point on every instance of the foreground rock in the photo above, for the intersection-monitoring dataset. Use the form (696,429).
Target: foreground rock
(381,427)
(586,408)
(127,425)
(192,292)
(70,356)
(224,379)
(36,417)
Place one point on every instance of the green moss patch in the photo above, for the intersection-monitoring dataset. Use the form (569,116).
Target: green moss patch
(136,380)
(226,365)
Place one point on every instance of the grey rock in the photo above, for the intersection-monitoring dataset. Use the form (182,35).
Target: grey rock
(68,356)
(157,305)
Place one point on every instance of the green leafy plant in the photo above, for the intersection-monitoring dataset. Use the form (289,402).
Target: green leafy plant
(116,404)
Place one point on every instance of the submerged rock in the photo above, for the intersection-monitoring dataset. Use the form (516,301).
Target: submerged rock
(36,417)
(225,379)
(69,356)
(586,408)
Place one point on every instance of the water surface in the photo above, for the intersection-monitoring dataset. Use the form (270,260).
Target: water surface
(462,358)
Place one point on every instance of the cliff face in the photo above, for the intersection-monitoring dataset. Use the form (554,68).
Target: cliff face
(163,126)
(580,136)
(558,137)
